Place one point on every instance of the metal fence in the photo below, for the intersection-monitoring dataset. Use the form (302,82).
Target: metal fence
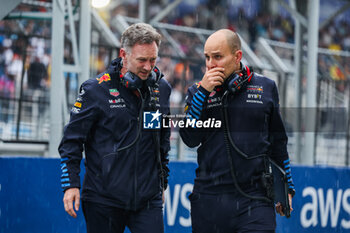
(24,110)
(332,111)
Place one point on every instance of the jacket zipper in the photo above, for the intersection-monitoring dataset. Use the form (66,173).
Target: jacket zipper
(139,124)
(136,156)
(135,175)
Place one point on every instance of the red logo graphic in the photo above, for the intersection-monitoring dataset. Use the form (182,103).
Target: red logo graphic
(104,78)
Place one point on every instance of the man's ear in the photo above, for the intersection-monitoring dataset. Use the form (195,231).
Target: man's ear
(238,56)
(122,53)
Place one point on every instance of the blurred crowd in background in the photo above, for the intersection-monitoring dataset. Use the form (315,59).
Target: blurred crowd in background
(25,42)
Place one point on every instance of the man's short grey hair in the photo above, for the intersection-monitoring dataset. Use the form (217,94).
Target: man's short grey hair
(139,33)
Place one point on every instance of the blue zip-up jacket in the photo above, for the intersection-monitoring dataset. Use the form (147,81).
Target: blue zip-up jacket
(255,126)
(103,120)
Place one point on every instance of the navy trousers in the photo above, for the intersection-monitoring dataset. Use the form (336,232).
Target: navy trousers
(231,213)
(101,218)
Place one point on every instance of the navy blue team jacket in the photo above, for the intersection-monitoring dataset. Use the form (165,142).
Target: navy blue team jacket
(104,119)
(255,126)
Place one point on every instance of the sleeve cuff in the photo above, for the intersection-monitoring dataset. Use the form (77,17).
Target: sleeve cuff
(204,91)
(64,189)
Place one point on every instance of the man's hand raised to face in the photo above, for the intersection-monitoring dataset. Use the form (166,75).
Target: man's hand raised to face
(212,78)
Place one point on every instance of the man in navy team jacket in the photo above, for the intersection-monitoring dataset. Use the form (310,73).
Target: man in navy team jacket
(126,165)
(256,130)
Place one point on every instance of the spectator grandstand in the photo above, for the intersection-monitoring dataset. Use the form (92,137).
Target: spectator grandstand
(24,39)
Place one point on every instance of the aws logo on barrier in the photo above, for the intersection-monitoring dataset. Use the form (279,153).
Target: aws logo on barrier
(173,197)
(328,206)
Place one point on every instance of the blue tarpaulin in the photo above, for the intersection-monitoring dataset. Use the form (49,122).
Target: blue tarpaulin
(31,199)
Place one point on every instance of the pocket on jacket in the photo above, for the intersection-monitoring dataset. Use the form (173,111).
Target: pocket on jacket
(117,181)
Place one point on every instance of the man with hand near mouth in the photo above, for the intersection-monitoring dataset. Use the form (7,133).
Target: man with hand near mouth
(232,188)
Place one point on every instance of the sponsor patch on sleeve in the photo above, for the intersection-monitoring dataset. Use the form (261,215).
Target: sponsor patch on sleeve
(77,104)
(186,108)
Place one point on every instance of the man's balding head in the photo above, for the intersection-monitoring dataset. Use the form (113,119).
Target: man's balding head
(232,39)
(223,49)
